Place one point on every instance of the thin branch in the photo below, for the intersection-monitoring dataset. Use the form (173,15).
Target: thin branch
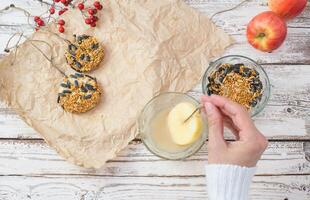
(64,39)
(50,15)
(45,56)
(47,3)
(13,7)
(7,48)
(223,11)
(17,45)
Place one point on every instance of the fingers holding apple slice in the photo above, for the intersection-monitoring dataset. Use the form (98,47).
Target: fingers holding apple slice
(266,31)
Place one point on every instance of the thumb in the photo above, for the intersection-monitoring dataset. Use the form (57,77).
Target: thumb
(215,124)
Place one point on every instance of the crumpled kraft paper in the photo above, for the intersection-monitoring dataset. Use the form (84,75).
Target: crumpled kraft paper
(151,47)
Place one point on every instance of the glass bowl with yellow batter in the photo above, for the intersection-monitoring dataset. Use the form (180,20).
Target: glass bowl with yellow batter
(163,130)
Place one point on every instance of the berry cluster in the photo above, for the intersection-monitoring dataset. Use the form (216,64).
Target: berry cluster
(91,19)
(61,24)
(39,22)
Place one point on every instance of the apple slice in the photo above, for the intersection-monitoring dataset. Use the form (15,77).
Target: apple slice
(188,132)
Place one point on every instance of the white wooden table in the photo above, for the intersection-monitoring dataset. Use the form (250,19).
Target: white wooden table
(29,169)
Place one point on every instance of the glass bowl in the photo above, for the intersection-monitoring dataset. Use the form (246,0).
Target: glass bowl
(236,59)
(160,103)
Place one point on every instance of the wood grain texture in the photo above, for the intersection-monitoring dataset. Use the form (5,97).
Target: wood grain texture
(36,158)
(296,47)
(287,115)
(29,169)
(137,188)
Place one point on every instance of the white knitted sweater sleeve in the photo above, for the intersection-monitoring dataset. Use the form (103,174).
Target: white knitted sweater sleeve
(228,182)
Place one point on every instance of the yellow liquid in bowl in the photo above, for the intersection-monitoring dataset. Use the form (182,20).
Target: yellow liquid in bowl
(160,129)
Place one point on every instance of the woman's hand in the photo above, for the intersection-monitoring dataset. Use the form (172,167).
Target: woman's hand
(250,143)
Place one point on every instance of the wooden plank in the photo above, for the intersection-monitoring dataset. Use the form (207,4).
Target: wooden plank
(36,158)
(285,117)
(288,111)
(137,188)
(241,15)
(296,47)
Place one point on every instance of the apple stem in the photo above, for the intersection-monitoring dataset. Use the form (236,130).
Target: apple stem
(261,35)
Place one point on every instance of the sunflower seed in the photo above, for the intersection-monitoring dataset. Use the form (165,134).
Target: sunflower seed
(68,84)
(253,103)
(83,89)
(85,37)
(79,65)
(76,83)
(87,96)
(253,88)
(82,57)
(89,87)
(67,91)
(72,49)
(95,46)
(90,77)
(64,85)
(79,75)
(246,72)
(236,68)
(79,39)
(61,94)
(58,99)
(87,58)
(210,79)
(73,76)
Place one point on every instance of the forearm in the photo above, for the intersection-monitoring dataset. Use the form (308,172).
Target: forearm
(228,182)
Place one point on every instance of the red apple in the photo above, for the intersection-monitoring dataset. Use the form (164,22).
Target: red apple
(287,9)
(266,31)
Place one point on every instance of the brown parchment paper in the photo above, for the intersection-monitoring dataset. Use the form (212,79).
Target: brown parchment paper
(152,46)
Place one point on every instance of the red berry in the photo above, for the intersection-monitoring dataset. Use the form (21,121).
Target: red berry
(93,24)
(97,3)
(62,11)
(61,29)
(36,18)
(61,22)
(56,1)
(88,21)
(93,18)
(92,11)
(81,6)
(40,22)
(52,10)
(63,1)
(99,7)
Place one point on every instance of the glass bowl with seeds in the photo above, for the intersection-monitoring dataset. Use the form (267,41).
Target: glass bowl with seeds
(240,79)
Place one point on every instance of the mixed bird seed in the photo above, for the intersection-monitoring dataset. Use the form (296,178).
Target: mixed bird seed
(238,83)
(79,93)
(85,54)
